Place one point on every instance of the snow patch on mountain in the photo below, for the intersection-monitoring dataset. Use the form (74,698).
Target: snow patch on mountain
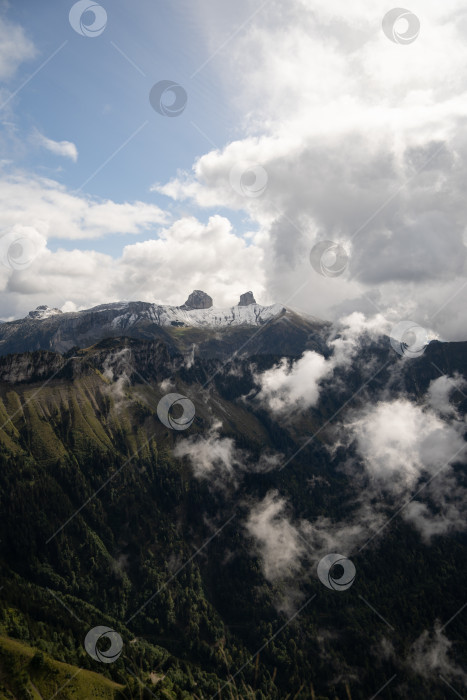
(42,312)
(253,315)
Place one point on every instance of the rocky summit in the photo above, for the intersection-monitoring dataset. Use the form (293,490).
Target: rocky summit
(247,299)
(43,311)
(198,300)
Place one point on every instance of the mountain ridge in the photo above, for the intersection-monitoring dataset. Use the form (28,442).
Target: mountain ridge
(211,330)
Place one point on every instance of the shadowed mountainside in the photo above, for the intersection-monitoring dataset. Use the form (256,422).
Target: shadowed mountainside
(99,515)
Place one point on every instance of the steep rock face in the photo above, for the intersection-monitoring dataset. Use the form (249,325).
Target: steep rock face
(198,300)
(247,299)
(27,367)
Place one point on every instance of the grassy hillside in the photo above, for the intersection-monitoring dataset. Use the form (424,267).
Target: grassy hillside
(30,674)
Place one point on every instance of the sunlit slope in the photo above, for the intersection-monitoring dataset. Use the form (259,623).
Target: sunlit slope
(29,673)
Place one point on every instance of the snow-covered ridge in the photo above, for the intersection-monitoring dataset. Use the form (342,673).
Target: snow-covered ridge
(252,315)
(43,312)
(122,315)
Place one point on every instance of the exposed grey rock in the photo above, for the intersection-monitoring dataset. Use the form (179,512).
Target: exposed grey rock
(198,300)
(35,366)
(247,299)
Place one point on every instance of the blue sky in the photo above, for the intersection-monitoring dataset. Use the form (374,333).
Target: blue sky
(92,95)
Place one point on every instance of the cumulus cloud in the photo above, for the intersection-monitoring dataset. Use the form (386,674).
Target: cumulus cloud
(67,149)
(440,392)
(174,260)
(57,213)
(192,255)
(399,441)
(377,167)
(406,450)
(294,386)
(410,449)
(19,246)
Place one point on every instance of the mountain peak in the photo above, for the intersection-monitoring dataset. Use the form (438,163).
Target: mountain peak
(198,300)
(247,299)
(43,311)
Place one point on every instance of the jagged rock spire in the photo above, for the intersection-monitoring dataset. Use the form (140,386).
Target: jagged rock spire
(246,299)
(198,300)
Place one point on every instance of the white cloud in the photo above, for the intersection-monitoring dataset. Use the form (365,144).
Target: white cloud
(451,516)
(370,144)
(211,457)
(399,441)
(67,149)
(289,548)
(294,386)
(440,392)
(409,450)
(406,449)
(57,213)
(117,370)
(276,539)
(185,256)
(15,48)
(191,255)
(429,656)
(218,459)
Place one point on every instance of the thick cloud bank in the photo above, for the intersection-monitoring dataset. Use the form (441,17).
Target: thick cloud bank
(368,151)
